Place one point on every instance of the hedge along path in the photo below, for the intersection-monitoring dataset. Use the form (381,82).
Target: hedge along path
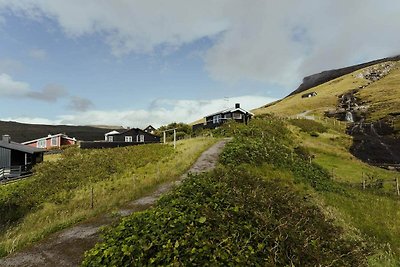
(66,248)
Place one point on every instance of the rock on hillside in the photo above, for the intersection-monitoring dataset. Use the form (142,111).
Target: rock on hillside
(325,76)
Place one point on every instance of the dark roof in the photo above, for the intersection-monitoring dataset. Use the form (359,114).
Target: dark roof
(20,147)
(231,110)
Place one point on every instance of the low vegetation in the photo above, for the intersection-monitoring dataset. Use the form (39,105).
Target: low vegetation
(59,194)
(257,208)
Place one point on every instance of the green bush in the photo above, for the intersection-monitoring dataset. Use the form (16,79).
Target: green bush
(227,218)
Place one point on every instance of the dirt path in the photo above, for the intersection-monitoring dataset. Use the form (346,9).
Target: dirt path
(66,248)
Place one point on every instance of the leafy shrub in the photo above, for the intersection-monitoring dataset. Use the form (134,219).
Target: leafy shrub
(227,218)
(309,126)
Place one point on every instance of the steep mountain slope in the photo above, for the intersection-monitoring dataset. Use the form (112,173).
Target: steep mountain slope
(21,132)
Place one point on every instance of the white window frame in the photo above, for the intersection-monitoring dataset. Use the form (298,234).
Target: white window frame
(128,139)
(52,141)
(110,138)
(41,143)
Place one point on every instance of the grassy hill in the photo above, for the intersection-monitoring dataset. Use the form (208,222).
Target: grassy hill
(383,96)
(287,193)
(58,195)
(21,132)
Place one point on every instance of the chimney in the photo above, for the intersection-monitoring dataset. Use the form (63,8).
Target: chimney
(6,138)
(237,105)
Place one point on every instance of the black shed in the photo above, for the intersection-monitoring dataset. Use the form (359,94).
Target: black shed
(18,158)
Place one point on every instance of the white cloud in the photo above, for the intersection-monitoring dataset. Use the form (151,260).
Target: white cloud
(266,40)
(160,112)
(12,88)
(50,93)
(39,54)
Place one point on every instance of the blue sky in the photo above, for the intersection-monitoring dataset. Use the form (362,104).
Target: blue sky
(135,63)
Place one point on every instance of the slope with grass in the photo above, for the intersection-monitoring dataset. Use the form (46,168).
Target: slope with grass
(267,205)
(382,95)
(59,194)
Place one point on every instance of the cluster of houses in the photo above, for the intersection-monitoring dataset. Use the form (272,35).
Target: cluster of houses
(17,159)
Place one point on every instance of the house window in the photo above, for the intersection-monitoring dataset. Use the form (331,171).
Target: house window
(54,141)
(216,118)
(237,116)
(41,143)
(140,138)
(128,138)
(110,138)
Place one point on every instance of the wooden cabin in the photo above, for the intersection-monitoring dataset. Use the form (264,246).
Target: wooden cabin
(130,137)
(134,135)
(150,129)
(217,119)
(17,159)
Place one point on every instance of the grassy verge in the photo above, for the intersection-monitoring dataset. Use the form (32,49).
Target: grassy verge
(69,201)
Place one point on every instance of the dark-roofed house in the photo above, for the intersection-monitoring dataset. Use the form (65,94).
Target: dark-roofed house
(216,119)
(150,129)
(17,159)
(130,137)
(134,135)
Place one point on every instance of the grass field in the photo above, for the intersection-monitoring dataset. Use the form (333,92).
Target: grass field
(71,203)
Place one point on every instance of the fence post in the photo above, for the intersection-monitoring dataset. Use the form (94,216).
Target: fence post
(363,184)
(91,197)
(397,187)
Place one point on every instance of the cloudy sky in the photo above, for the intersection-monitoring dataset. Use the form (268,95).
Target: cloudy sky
(134,63)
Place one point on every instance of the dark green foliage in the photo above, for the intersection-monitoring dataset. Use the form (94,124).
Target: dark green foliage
(54,181)
(183,130)
(227,218)
(309,126)
(303,152)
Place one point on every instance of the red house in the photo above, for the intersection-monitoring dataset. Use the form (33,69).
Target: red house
(51,141)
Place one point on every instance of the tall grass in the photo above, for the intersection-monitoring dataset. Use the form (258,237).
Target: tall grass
(109,194)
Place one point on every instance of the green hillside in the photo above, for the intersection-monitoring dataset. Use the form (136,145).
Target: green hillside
(59,193)
(383,96)
(287,193)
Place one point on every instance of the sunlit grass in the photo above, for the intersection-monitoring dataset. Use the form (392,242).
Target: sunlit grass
(383,95)
(108,195)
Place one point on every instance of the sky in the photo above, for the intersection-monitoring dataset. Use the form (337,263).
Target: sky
(134,63)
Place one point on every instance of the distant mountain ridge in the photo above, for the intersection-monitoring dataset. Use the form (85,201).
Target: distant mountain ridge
(328,75)
(21,132)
